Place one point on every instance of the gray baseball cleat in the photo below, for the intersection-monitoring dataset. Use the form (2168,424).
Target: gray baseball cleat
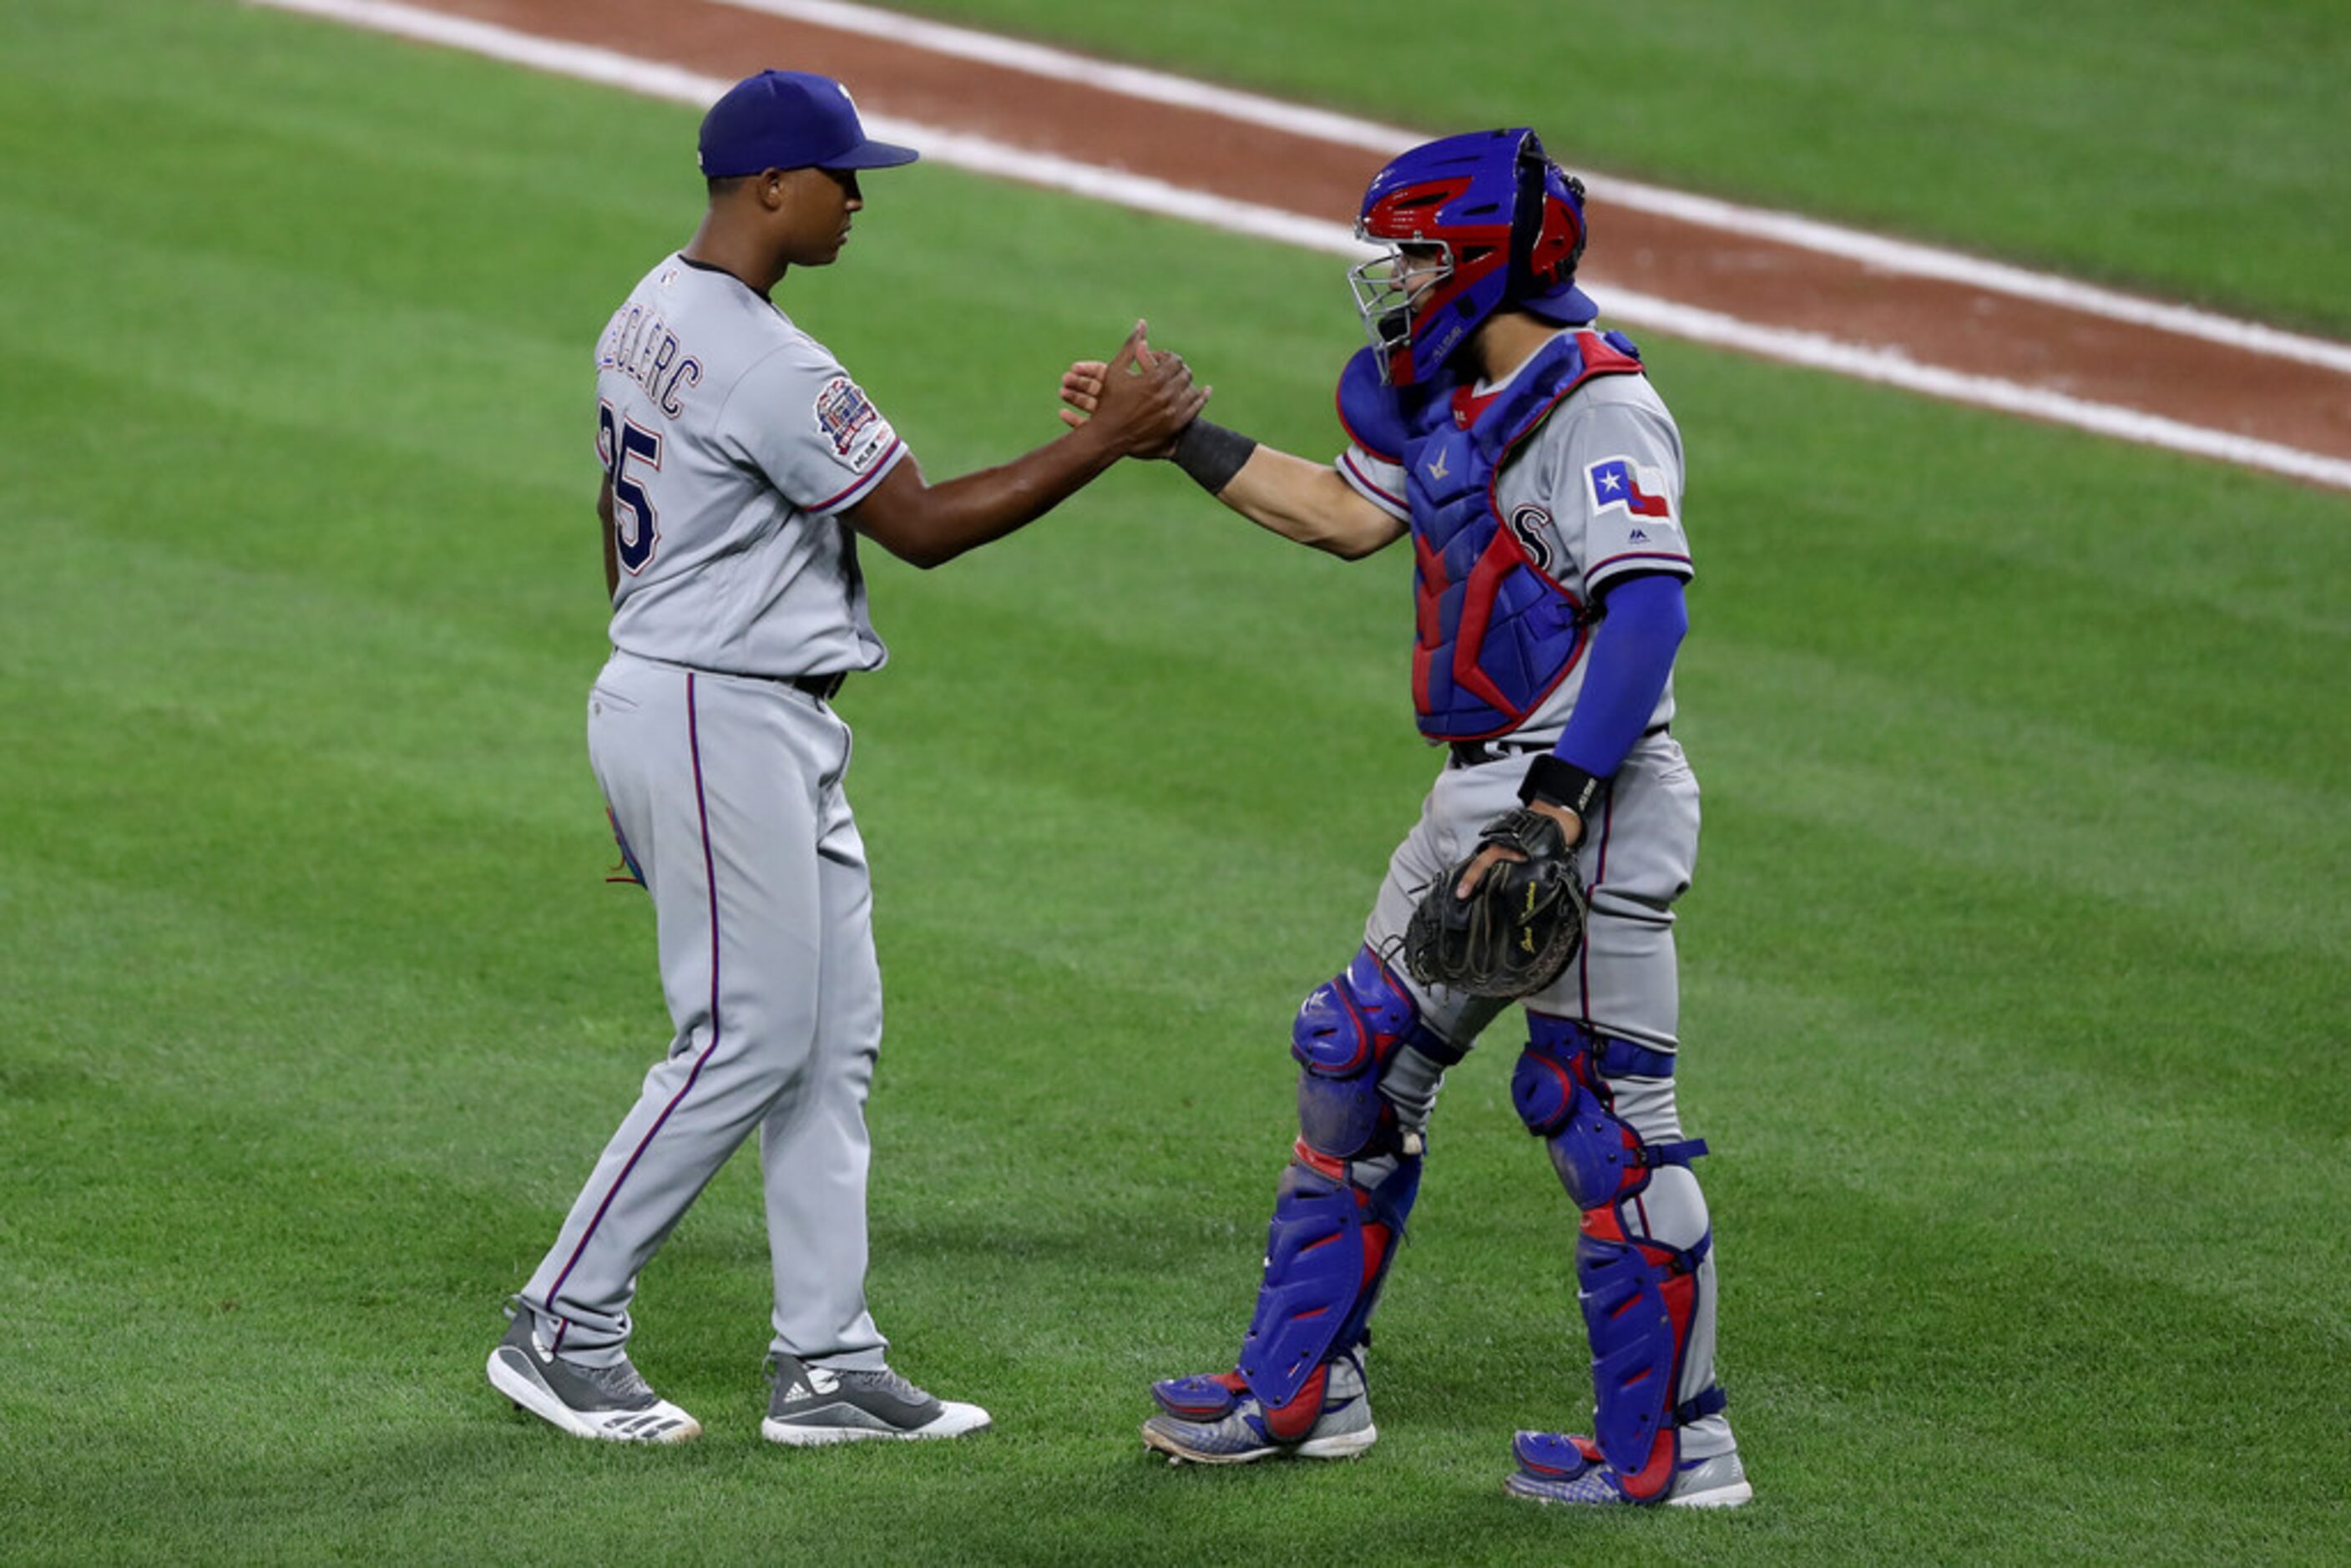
(1559,1468)
(812,1405)
(608,1402)
(1216,1421)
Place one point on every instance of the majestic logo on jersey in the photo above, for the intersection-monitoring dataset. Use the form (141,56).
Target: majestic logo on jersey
(1621,482)
(850,422)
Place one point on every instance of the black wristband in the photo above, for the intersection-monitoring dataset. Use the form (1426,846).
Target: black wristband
(1211,455)
(1562,783)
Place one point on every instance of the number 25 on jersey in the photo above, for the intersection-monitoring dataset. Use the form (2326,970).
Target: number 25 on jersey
(630,451)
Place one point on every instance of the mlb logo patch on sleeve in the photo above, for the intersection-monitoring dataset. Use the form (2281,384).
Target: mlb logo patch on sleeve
(849,419)
(1621,482)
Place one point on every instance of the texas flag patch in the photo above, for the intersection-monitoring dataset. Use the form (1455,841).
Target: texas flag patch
(1621,482)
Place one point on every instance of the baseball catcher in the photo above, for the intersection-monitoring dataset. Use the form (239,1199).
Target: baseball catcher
(1523,452)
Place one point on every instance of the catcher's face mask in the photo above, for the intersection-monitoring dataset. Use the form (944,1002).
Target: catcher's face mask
(1394,289)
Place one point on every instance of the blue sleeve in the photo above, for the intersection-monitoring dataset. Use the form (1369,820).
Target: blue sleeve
(1632,654)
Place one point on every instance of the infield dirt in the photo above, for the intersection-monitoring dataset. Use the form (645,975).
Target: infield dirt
(1951,325)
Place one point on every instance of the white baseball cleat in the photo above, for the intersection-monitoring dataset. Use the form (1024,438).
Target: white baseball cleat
(811,1406)
(611,1403)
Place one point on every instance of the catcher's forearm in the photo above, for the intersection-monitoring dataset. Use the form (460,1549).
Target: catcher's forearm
(1211,455)
(1308,503)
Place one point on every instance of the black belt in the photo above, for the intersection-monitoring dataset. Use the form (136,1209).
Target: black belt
(1477,753)
(820,688)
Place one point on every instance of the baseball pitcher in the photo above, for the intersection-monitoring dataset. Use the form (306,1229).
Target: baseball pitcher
(742,465)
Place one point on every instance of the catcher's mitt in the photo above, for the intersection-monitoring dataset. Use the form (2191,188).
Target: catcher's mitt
(1517,930)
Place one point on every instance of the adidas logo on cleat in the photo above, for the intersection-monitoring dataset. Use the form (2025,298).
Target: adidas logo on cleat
(814,1381)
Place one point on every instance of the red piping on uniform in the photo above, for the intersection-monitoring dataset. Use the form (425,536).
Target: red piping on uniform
(1368,483)
(881,466)
(1599,875)
(710,878)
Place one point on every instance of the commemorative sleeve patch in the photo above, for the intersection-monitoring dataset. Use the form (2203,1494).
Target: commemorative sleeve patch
(847,418)
(1619,482)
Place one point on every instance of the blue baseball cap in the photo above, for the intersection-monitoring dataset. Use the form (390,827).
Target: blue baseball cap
(789,120)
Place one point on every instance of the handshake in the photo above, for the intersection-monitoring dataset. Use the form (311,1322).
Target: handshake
(1140,400)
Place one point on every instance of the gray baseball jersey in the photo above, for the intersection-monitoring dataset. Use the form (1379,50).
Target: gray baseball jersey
(736,442)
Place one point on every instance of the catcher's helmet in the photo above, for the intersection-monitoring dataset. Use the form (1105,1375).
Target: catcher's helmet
(1491,221)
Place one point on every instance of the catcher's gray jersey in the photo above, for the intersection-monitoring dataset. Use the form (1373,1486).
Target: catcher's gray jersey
(736,442)
(1593,495)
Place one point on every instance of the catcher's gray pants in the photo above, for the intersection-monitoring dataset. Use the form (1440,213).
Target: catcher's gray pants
(1636,858)
(727,791)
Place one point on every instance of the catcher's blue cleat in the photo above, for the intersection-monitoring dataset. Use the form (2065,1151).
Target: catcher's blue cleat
(1556,1468)
(1216,1420)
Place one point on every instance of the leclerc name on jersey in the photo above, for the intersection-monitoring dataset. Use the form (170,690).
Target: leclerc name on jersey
(641,346)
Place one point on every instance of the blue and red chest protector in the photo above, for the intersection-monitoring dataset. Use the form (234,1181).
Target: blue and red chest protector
(1494,636)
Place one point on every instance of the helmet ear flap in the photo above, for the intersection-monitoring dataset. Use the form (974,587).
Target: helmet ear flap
(1537,241)
(1526,213)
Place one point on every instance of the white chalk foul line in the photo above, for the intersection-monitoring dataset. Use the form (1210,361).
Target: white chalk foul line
(1754,222)
(980,155)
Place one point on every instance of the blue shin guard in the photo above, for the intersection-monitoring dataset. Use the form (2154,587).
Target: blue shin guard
(1640,1296)
(1341,1208)
(1327,1254)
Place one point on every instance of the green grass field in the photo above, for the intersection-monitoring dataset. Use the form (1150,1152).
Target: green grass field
(2015,1000)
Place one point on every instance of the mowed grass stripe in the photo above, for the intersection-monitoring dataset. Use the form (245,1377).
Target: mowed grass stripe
(521,750)
(313,1003)
(354,1211)
(1903,1272)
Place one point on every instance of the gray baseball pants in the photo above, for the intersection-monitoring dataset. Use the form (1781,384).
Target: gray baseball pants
(727,791)
(1636,859)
